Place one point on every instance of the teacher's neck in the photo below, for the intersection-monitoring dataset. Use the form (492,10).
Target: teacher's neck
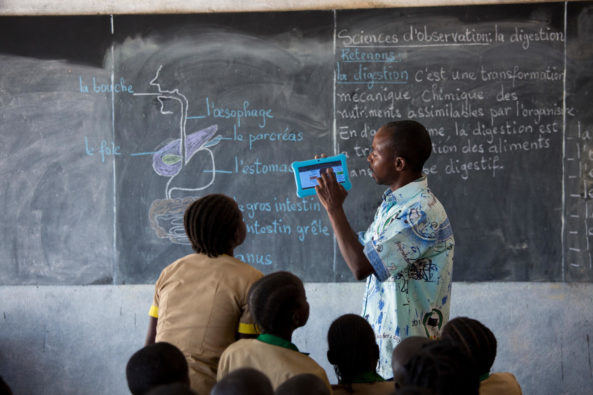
(404,179)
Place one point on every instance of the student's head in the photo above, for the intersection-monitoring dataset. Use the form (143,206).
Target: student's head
(172,389)
(352,347)
(403,352)
(399,147)
(244,381)
(442,367)
(306,383)
(413,390)
(278,303)
(214,225)
(475,339)
(154,365)
(4,388)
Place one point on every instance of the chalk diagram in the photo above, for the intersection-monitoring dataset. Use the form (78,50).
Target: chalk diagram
(166,215)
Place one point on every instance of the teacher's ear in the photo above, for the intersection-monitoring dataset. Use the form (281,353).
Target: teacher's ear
(400,163)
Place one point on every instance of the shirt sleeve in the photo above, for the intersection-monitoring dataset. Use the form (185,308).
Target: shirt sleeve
(154,308)
(154,311)
(247,324)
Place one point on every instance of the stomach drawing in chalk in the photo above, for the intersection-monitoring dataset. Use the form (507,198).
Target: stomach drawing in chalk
(168,161)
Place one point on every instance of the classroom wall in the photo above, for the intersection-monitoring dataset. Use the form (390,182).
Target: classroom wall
(78,7)
(77,340)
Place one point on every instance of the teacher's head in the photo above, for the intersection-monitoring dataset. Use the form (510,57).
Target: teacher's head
(214,225)
(399,152)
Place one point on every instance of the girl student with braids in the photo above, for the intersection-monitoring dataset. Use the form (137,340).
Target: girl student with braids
(279,306)
(200,301)
(354,352)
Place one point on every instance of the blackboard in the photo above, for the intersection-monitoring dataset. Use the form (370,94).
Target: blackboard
(112,124)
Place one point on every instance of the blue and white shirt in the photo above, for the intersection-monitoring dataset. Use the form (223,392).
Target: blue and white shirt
(410,246)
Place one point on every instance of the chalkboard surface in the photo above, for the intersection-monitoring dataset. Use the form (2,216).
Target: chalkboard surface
(112,125)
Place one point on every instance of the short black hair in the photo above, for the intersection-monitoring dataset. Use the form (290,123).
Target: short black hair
(410,140)
(475,339)
(413,390)
(352,347)
(4,388)
(244,381)
(402,353)
(172,389)
(442,367)
(273,300)
(156,364)
(304,383)
(211,224)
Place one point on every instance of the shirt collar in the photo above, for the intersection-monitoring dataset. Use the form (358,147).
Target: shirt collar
(276,341)
(408,191)
(368,377)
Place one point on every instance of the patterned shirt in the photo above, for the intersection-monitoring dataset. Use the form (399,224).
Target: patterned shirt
(410,246)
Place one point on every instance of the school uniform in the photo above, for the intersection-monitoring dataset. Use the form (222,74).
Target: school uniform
(500,383)
(366,384)
(201,303)
(277,358)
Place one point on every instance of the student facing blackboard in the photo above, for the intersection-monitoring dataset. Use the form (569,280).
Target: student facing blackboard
(200,301)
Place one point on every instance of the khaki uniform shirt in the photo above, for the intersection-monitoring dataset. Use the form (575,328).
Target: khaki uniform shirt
(378,388)
(278,363)
(502,383)
(201,303)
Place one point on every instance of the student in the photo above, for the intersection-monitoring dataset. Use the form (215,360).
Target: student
(244,381)
(300,384)
(406,253)
(413,390)
(354,353)
(404,351)
(172,389)
(279,306)
(442,368)
(480,344)
(200,301)
(154,365)
(4,388)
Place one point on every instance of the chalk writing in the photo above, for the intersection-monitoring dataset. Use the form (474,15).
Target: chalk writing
(285,135)
(525,38)
(255,259)
(103,150)
(243,112)
(257,167)
(120,86)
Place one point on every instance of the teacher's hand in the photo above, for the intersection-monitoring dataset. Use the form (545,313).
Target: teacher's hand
(330,193)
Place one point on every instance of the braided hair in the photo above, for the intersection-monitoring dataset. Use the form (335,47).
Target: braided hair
(475,339)
(352,347)
(211,224)
(273,300)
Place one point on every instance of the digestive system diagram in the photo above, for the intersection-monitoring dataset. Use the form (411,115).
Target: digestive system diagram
(166,215)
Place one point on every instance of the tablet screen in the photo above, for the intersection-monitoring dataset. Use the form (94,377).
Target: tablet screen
(309,174)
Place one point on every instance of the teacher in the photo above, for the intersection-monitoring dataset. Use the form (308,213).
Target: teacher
(406,254)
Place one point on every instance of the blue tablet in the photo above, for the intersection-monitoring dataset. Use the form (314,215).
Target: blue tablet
(307,172)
